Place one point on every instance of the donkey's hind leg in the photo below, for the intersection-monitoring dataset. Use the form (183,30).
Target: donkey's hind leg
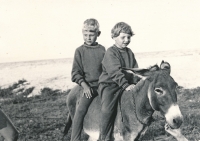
(91,139)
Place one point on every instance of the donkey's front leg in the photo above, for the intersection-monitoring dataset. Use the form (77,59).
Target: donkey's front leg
(143,131)
(135,133)
(132,134)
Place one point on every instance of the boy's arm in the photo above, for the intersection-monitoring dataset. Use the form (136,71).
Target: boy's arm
(77,74)
(133,57)
(136,65)
(112,65)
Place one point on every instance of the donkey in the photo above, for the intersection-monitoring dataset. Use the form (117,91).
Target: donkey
(155,91)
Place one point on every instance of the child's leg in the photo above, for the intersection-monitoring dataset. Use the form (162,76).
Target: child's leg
(109,96)
(71,99)
(80,113)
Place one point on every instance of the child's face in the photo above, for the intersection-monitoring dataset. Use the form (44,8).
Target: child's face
(122,40)
(90,37)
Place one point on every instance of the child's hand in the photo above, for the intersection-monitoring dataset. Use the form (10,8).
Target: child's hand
(87,92)
(173,132)
(130,87)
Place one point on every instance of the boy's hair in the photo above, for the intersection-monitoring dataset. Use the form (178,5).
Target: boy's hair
(121,27)
(91,25)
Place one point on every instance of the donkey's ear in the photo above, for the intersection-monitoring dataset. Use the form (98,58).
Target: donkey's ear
(162,63)
(165,66)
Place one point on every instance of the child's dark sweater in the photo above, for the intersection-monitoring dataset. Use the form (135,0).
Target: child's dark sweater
(87,65)
(115,59)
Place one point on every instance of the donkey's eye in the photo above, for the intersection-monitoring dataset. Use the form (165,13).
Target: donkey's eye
(158,90)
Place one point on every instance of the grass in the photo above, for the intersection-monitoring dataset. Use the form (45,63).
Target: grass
(38,118)
(43,117)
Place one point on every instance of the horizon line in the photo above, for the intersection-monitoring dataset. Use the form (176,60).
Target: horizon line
(32,60)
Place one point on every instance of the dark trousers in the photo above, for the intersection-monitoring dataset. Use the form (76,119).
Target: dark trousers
(109,97)
(80,113)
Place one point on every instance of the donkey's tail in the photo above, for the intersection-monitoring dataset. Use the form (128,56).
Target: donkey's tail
(68,125)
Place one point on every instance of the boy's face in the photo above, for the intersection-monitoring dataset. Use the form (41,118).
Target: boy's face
(122,40)
(90,37)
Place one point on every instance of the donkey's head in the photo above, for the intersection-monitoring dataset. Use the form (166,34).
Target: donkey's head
(162,94)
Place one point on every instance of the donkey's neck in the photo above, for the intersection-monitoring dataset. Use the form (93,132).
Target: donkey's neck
(143,108)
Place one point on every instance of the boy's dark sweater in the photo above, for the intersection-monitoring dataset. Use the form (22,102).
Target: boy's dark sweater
(87,64)
(115,59)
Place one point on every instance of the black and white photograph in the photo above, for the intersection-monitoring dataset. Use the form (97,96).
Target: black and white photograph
(97,70)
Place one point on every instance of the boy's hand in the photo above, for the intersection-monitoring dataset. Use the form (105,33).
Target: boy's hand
(130,87)
(87,91)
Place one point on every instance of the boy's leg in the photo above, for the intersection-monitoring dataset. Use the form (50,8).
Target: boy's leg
(110,96)
(72,97)
(80,113)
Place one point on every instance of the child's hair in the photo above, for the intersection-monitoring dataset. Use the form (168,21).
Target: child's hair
(121,27)
(91,25)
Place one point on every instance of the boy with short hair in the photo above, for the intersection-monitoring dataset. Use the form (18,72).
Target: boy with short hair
(112,81)
(86,70)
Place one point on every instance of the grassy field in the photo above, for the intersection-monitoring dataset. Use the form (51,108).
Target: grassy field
(43,117)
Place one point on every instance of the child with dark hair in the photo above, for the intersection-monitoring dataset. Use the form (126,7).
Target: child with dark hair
(112,81)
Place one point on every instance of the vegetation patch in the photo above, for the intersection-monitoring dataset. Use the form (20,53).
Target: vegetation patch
(43,117)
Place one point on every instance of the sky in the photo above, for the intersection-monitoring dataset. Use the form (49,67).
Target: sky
(49,29)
